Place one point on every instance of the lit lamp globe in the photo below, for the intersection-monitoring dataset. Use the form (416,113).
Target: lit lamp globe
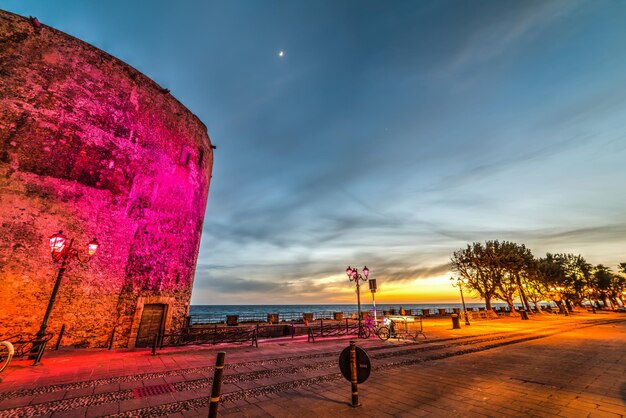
(92,247)
(57,244)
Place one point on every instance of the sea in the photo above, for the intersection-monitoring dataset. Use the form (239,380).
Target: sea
(262,310)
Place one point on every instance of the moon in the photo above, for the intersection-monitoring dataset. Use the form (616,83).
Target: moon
(281,53)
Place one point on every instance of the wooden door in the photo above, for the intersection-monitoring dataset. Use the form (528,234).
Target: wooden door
(151,324)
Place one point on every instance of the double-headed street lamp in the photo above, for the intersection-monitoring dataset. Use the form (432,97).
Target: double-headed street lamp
(460,282)
(62,253)
(354,276)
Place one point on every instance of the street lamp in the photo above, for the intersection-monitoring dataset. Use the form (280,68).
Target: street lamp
(354,276)
(459,282)
(61,252)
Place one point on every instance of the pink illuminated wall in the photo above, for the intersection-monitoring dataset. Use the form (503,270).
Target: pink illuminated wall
(92,147)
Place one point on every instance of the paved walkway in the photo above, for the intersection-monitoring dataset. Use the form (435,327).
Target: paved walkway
(547,366)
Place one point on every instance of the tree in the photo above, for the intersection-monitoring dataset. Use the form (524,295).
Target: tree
(550,279)
(576,277)
(602,278)
(472,263)
(513,262)
(494,270)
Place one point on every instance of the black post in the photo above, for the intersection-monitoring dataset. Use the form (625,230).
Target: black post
(467,322)
(39,353)
(217,384)
(293,329)
(56,346)
(154,344)
(353,375)
(44,324)
(358,300)
(322,327)
(112,338)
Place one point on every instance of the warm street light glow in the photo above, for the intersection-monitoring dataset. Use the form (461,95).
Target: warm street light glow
(92,247)
(57,243)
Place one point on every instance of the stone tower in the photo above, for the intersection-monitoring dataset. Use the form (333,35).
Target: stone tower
(90,146)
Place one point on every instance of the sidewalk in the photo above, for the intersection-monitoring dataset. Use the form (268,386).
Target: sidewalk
(547,366)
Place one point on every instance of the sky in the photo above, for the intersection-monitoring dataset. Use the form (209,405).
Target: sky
(388,134)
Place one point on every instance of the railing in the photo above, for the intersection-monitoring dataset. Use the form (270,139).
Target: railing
(23,346)
(299,317)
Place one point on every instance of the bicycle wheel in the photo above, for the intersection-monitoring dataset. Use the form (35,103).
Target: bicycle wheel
(383,333)
(364,332)
(6,354)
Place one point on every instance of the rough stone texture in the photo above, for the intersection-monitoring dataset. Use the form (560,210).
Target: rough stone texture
(90,146)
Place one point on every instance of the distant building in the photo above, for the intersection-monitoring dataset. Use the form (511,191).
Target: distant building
(90,146)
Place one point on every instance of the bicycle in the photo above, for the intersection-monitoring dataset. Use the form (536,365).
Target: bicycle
(372,327)
(6,354)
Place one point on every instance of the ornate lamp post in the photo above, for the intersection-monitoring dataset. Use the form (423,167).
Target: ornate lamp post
(62,252)
(354,276)
(460,282)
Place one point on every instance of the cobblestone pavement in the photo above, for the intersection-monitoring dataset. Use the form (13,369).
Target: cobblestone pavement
(547,366)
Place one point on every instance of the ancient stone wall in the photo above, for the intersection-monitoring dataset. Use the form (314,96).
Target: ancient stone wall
(90,146)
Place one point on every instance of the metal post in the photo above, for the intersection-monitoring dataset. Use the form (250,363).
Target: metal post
(217,384)
(353,375)
(358,299)
(112,338)
(293,328)
(154,344)
(44,324)
(39,353)
(374,305)
(322,327)
(467,322)
(56,346)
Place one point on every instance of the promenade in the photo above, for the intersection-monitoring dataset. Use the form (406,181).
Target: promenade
(549,366)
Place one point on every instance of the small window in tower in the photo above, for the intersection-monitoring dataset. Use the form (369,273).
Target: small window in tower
(185,155)
(201,157)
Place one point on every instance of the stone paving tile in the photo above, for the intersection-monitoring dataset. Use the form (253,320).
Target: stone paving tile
(102,410)
(48,397)
(76,413)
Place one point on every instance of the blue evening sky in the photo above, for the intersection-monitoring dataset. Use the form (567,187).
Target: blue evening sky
(390,133)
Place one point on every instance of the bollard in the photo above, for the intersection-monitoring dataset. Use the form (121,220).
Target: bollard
(112,338)
(456,323)
(154,344)
(56,346)
(353,375)
(217,384)
(524,314)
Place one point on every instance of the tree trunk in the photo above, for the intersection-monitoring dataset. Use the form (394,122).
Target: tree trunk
(538,308)
(509,301)
(490,312)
